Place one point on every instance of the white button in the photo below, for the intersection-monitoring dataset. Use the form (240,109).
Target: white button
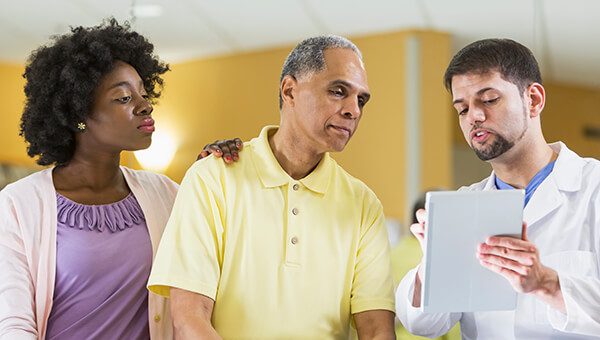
(294,240)
(295,211)
(296,187)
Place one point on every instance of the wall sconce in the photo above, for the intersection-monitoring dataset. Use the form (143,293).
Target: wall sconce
(160,153)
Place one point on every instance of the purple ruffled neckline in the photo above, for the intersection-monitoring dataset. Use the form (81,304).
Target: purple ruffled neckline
(115,216)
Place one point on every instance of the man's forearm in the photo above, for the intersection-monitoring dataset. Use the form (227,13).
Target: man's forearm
(191,313)
(375,325)
(194,329)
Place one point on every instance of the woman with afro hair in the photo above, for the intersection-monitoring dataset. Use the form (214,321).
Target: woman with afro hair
(77,240)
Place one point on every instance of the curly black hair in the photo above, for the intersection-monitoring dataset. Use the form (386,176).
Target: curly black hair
(61,79)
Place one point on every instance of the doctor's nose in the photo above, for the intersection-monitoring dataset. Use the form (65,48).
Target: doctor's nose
(475,115)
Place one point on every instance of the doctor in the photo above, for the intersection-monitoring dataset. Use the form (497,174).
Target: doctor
(498,94)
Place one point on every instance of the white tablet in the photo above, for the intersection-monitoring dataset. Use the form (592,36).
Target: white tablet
(457,222)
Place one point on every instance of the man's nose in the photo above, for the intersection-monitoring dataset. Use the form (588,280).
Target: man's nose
(475,114)
(352,108)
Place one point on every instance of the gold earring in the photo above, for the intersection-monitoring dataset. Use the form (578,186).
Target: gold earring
(81,126)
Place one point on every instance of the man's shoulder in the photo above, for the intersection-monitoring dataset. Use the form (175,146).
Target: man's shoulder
(572,164)
(591,173)
(591,165)
(212,168)
(344,178)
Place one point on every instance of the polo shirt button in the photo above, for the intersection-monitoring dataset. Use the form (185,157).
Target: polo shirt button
(157,318)
(294,240)
(296,187)
(295,211)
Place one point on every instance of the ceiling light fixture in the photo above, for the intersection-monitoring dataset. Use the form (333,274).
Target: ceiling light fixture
(146,10)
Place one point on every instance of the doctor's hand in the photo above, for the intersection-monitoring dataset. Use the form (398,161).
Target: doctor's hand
(418,229)
(518,261)
(227,148)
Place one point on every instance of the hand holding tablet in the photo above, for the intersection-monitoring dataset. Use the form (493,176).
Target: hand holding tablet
(458,223)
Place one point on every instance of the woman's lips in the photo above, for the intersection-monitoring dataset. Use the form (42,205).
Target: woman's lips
(147,125)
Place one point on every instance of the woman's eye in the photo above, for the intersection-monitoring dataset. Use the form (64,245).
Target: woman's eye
(125,99)
(490,101)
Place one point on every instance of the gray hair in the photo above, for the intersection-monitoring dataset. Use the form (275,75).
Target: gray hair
(307,57)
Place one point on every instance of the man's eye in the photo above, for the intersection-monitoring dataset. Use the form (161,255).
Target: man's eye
(491,101)
(337,92)
(462,112)
(125,99)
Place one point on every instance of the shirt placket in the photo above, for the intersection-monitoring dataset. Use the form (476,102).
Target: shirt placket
(294,240)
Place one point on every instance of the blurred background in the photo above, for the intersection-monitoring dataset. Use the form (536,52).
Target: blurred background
(226,58)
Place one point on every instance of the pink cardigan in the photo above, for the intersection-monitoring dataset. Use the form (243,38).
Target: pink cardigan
(28,250)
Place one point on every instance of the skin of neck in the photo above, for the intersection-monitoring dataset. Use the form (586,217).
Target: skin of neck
(525,159)
(91,172)
(293,152)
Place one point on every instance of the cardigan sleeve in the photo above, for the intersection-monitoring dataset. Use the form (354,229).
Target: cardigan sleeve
(17,292)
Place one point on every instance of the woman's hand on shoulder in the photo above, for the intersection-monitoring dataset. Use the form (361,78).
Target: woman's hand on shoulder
(228,149)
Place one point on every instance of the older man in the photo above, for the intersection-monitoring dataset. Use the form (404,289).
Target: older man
(498,94)
(284,244)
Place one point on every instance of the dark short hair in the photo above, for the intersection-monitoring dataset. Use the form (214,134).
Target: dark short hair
(514,61)
(61,79)
(307,57)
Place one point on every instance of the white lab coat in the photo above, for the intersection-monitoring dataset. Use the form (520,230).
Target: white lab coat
(563,218)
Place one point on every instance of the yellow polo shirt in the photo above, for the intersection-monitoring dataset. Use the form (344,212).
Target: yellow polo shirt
(282,258)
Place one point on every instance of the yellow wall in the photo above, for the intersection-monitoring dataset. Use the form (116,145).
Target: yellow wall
(437,120)
(376,152)
(568,110)
(226,97)
(13,148)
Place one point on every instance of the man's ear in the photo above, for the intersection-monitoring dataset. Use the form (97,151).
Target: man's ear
(536,96)
(288,87)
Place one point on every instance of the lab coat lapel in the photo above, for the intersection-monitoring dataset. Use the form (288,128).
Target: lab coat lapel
(544,201)
(565,177)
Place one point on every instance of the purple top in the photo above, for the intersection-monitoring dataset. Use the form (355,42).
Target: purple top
(103,260)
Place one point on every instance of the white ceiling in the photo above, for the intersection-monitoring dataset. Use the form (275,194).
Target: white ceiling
(564,35)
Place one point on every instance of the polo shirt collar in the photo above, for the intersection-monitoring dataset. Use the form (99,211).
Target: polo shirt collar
(272,175)
(318,179)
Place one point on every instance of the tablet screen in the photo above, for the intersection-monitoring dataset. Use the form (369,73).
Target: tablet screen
(457,222)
